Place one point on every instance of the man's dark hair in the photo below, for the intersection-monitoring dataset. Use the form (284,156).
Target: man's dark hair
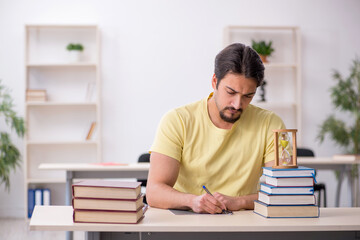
(241,59)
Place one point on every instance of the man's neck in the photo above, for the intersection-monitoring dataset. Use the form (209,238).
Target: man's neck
(215,116)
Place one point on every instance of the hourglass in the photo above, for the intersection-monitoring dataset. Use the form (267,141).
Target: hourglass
(285,155)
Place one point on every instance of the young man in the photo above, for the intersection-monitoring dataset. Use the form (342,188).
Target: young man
(221,142)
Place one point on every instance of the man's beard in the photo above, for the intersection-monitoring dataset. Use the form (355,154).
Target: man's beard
(230,119)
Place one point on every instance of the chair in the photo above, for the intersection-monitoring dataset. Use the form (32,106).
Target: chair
(318,187)
(144,158)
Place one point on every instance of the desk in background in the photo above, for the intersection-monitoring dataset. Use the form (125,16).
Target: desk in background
(334,223)
(140,170)
(90,170)
(344,166)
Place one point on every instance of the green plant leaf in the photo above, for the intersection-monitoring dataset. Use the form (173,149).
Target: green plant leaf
(10,157)
(345,96)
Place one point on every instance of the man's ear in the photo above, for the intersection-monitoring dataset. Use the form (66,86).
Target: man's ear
(214,81)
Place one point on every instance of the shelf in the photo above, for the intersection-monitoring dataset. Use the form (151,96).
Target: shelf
(280,65)
(45,180)
(54,104)
(91,26)
(79,64)
(234,27)
(274,105)
(90,142)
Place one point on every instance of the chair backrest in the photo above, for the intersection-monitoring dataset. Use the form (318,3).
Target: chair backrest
(305,152)
(144,157)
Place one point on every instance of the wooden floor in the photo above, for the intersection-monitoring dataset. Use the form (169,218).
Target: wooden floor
(18,229)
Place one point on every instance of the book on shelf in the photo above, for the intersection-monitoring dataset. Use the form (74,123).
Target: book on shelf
(290,181)
(36,95)
(272,190)
(91,131)
(108,216)
(286,199)
(347,157)
(289,172)
(106,189)
(90,92)
(108,204)
(286,211)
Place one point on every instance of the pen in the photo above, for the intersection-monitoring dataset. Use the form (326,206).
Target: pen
(223,211)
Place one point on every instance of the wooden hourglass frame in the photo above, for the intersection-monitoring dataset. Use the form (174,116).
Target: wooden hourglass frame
(293,163)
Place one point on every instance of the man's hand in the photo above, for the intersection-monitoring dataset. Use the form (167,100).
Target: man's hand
(207,204)
(231,203)
(237,203)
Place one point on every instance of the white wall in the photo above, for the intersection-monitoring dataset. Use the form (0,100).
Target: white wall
(159,54)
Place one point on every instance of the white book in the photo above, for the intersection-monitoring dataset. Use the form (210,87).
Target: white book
(286,199)
(271,190)
(290,182)
(300,171)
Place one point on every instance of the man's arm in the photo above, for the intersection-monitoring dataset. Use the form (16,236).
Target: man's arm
(160,193)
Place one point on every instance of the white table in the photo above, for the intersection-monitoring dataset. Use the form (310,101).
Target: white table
(341,223)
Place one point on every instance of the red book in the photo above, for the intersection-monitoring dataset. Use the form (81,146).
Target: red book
(102,216)
(106,189)
(108,204)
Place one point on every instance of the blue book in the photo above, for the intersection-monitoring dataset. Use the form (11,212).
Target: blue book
(272,190)
(289,172)
(31,201)
(286,211)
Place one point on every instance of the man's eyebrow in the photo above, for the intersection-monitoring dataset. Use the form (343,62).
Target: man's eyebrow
(252,93)
(232,89)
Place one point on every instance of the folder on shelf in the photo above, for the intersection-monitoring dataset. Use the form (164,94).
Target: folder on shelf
(38,197)
(46,197)
(31,201)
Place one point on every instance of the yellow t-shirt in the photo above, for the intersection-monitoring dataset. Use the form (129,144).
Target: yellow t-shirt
(226,161)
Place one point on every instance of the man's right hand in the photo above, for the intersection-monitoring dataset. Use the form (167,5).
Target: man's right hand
(207,204)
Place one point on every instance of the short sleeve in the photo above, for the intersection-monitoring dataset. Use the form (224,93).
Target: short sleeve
(274,122)
(169,138)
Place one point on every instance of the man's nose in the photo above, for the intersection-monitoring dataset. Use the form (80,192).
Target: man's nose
(236,103)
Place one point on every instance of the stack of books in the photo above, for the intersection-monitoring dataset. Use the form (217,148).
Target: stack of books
(287,193)
(35,95)
(100,201)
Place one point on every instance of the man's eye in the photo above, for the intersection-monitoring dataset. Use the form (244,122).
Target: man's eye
(248,96)
(231,93)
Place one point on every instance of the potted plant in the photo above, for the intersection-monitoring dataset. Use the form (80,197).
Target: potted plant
(263,49)
(75,50)
(345,96)
(10,157)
